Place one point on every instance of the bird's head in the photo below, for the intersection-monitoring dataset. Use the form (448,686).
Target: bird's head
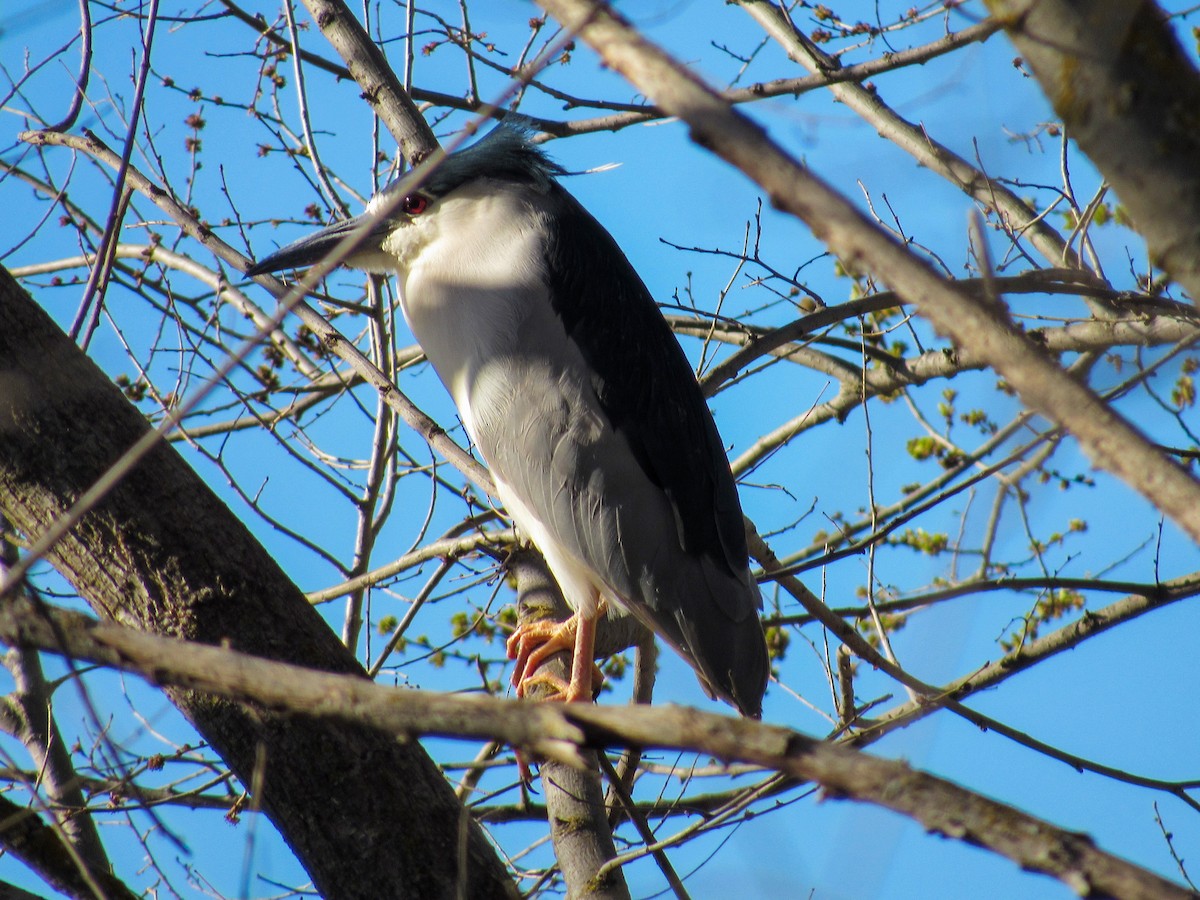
(400,220)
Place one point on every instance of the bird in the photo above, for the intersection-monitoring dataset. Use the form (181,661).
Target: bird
(579,398)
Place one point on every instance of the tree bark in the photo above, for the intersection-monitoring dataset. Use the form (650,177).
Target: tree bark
(380,86)
(26,836)
(1130,98)
(366,815)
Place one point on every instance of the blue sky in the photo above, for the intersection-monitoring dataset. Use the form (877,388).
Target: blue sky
(1124,699)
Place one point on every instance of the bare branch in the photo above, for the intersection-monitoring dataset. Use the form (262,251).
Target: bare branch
(912,138)
(381,89)
(1110,441)
(562,731)
(44,850)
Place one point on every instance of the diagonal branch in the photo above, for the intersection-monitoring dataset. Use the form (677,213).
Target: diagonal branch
(564,731)
(982,327)
(43,849)
(381,88)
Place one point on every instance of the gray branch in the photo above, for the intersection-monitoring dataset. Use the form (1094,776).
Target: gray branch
(1128,95)
(566,732)
(575,808)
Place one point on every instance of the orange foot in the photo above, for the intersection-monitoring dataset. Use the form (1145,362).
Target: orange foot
(533,643)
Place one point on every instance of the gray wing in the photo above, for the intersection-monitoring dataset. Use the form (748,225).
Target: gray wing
(602,431)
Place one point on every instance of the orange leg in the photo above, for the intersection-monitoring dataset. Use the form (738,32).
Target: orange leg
(533,643)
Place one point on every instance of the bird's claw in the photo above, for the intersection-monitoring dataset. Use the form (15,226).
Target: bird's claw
(535,642)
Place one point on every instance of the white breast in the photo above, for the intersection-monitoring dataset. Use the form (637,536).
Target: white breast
(472,288)
(473,273)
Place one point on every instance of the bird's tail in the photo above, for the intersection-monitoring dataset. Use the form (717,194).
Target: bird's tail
(710,617)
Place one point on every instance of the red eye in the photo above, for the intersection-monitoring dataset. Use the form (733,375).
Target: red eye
(414,204)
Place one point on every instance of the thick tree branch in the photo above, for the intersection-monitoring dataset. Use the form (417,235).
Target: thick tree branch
(1128,95)
(368,817)
(44,849)
(381,88)
(575,808)
(563,731)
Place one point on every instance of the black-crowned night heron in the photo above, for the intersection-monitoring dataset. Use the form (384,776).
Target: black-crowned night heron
(580,400)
